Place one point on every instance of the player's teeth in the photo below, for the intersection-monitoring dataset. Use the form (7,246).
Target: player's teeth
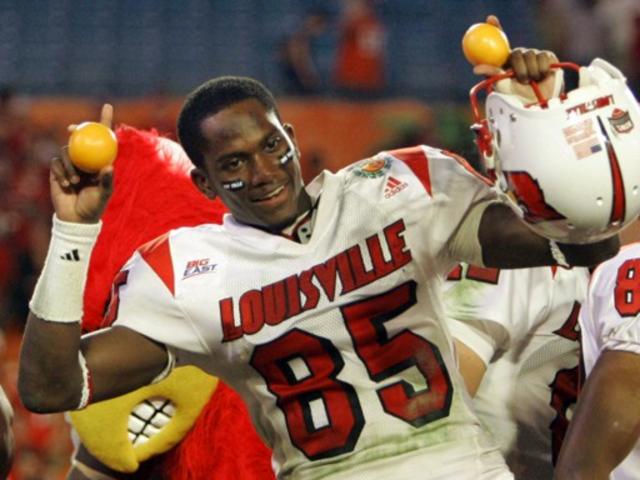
(273,194)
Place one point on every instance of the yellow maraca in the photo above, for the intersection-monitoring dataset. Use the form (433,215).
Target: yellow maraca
(92,146)
(485,44)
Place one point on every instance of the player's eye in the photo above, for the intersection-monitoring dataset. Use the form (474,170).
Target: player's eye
(273,143)
(232,164)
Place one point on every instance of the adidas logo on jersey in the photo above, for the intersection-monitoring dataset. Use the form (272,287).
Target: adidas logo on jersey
(196,267)
(72,256)
(393,186)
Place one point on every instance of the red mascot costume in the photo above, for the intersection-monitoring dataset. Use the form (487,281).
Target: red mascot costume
(153,193)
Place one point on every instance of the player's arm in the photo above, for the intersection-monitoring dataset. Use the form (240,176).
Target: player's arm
(471,366)
(508,243)
(606,424)
(86,467)
(483,317)
(59,371)
(6,435)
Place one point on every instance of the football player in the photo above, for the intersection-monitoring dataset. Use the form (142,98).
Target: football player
(518,346)
(320,304)
(603,440)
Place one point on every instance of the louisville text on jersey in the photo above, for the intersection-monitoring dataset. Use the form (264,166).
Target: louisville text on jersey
(286,298)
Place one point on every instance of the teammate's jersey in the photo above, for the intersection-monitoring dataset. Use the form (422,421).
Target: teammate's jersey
(523,325)
(610,321)
(338,346)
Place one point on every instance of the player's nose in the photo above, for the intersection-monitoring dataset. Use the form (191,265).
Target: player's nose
(264,169)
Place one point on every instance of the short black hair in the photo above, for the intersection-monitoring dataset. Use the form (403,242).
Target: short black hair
(210,98)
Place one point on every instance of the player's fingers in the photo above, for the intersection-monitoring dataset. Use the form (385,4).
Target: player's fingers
(70,171)
(487,70)
(106,115)
(493,20)
(59,173)
(105,180)
(545,59)
(531,60)
(518,64)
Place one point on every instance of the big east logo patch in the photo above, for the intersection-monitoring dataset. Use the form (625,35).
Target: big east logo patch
(197,267)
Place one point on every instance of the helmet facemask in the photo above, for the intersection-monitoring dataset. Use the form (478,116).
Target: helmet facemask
(569,164)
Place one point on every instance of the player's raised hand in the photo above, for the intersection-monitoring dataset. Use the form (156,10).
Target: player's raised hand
(531,65)
(78,196)
(528,64)
(484,68)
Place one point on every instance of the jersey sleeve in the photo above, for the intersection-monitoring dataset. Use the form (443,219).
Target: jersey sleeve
(487,308)
(624,337)
(455,189)
(146,304)
(614,303)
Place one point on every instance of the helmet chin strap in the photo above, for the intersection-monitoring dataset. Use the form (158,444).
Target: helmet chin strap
(284,159)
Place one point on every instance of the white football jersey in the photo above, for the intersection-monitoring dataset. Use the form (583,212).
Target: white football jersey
(338,346)
(524,325)
(610,321)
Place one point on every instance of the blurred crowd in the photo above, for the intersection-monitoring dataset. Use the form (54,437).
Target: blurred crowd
(577,30)
(580,30)
(359,69)
(42,441)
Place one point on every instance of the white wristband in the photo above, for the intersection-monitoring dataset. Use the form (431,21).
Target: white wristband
(87,384)
(60,288)
(166,371)
(557,254)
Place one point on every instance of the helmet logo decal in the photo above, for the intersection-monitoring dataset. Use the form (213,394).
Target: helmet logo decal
(618,204)
(583,138)
(621,121)
(589,106)
(530,198)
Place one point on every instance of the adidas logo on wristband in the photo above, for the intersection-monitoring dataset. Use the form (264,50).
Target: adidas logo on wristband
(72,256)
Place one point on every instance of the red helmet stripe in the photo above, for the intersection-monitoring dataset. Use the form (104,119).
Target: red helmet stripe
(618,209)
(530,198)
(618,204)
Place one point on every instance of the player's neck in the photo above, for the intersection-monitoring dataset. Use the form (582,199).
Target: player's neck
(302,228)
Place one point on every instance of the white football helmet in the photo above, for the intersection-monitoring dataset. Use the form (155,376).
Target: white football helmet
(569,165)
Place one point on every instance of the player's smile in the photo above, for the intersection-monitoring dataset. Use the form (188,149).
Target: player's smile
(252,164)
(274,197)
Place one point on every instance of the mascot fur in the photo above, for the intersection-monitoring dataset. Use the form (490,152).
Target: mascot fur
(210,435)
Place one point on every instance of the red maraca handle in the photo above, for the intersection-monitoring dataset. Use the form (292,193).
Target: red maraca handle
(488,83)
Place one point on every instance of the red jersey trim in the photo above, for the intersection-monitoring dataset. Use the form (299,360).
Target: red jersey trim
(469,168)
(417,161)
(157,254)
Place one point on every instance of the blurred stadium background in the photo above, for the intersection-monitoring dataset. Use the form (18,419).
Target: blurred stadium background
(61,59)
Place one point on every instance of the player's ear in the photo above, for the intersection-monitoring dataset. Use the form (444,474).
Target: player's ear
(290,132)
(202,183)
(292,136)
